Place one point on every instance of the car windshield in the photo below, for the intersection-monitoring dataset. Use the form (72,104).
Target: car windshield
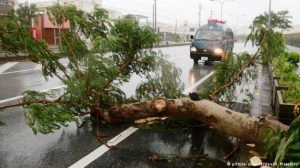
(205,34)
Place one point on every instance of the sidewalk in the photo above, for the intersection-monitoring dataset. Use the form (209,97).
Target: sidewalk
(261,104)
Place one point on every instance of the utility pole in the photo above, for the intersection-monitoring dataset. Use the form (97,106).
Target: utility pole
(270,10)
(200,7)
(155,16)
(176,26)
(59,30)
(221,3)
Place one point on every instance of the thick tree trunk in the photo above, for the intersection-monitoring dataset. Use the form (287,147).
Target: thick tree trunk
(225,120)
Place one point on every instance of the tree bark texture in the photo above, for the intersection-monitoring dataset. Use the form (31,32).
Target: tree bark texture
(220,118)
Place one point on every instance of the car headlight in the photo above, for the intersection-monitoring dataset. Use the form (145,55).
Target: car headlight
(193,49)
(218,51)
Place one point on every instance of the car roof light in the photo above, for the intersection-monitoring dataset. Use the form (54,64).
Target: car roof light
(216,21)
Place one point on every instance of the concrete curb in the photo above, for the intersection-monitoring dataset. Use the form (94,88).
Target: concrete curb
(173,45)
(6,58)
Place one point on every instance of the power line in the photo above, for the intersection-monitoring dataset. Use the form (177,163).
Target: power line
(148,7)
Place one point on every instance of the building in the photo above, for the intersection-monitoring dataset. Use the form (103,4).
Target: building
(46,30)
(114,14)
(42,28)
(86,5)
(7,5)
(175,32)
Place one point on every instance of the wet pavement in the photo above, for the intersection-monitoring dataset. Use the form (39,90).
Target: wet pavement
(209,145)
(21,148)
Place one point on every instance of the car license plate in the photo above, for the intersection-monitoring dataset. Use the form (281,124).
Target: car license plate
(204,58)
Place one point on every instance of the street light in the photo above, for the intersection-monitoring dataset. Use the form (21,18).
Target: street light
(155,16)
(269,22)
(222,3)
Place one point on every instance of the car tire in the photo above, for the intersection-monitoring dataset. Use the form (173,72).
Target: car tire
(206,62)
(196,61)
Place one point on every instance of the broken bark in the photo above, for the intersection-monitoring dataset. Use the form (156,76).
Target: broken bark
(225,120)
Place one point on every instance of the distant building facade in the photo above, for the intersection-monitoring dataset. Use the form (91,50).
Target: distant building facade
(86,5)
(42,28)
(6,6)
(46,30)
(114,14)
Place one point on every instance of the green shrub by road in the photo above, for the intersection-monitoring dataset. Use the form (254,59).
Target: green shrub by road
(284,67)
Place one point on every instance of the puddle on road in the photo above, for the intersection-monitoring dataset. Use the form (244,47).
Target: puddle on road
(211,145)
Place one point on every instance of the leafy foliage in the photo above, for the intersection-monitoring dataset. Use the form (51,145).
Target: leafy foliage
(293,57)
(271,142)
(269,38)
(167,76)
(284,148)
(44,115)
(224,73)
(281,148)
(284,67)
(27,14)
(101,56)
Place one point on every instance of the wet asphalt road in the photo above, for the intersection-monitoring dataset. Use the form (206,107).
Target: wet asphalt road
(19,147)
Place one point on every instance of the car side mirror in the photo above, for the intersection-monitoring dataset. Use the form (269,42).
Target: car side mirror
(192,37)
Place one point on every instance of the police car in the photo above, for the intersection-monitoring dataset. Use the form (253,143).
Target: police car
(211,42)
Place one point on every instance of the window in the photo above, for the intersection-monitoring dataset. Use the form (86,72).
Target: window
(205,34)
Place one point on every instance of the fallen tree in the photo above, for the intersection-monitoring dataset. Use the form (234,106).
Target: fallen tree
(233,123)
(93,79)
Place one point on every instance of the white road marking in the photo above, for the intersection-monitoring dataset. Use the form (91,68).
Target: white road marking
(37,68)
(199,82)
(21,71)
(102,149)
(6,66)
(123,135)
(20,97)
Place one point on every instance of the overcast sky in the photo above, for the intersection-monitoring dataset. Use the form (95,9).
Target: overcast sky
(187,10)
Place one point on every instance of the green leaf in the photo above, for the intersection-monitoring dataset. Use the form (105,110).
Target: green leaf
(295,146)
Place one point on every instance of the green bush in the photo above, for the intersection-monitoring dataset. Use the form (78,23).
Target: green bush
(293,57)
(284,67)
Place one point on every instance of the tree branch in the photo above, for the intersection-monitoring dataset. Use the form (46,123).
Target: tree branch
(236,77)
(61,67)
(42,101)
(74,57)
(122,67)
